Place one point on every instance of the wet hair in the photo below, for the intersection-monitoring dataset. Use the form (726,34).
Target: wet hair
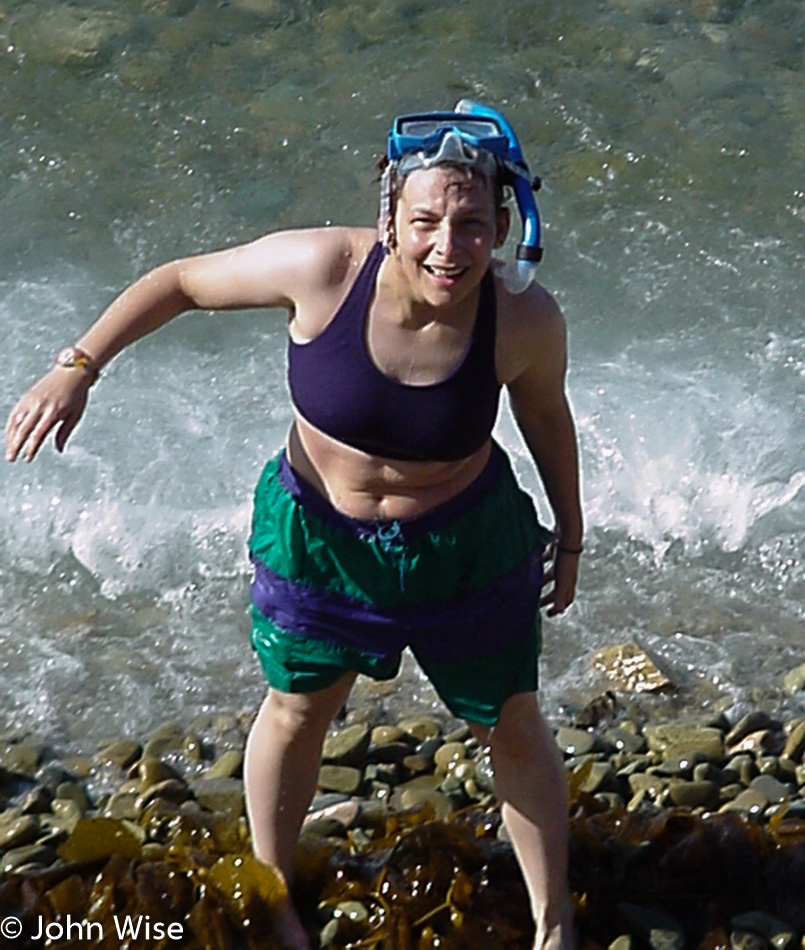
(501,184)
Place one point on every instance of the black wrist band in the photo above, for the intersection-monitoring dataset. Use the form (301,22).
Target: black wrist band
(566,550)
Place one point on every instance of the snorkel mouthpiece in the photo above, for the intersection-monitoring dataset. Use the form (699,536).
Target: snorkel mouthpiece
(472,134)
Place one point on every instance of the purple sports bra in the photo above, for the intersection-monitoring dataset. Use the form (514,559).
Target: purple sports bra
(338,389)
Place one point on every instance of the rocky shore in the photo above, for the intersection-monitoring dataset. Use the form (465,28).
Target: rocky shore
(684,833)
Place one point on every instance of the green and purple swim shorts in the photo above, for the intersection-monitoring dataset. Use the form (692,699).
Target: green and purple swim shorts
(458,585)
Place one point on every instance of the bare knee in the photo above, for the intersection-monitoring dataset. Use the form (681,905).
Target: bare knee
(295,715)
(299,716)
(521,731)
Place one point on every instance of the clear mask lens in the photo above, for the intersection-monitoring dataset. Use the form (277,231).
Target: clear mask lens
(424,128)
(453,150)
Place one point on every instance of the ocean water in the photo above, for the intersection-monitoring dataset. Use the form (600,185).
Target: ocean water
(670,137)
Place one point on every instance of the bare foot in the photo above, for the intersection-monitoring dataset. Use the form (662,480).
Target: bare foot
(560,936)
(288,928)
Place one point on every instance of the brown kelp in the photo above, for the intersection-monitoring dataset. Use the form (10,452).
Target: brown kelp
(408,880)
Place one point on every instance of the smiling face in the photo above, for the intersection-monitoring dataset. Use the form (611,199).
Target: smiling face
(446,226)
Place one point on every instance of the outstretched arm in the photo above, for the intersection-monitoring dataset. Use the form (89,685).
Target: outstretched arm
(266,273)
(542,413)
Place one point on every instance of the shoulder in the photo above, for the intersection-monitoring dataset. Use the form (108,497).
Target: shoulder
(531,331)
(327,262)
(316,258)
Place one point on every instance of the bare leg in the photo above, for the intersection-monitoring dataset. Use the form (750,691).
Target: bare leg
(531,785)
(283,753)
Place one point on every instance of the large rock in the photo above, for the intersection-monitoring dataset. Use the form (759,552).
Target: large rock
(345,813)
(67,35)
(18,832)
(171,790)
(347,747)
(599,776)
(228,765)
(754,721)
(150,771)
(384,735)
(324,827)
(122,805)
(773,790)
(631,669)
(220,794)
(693,794)
(33,855)
(625,741)
(794,681)
(120,754)
(448,756)
(66,813)
(340,778)
(421,727)
(576,741)
(23,758)
(75,792)
(750,801)
(762,742)
(686,738)
(37,801)
(651,784)
(795,743)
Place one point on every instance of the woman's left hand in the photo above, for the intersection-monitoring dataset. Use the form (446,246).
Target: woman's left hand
(563,572)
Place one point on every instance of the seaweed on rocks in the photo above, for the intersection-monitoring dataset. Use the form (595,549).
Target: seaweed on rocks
(423,883)
(701,870)
(410,867)
(417,883)
(443,884)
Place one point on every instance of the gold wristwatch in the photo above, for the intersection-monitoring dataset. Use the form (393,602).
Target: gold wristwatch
(73,358)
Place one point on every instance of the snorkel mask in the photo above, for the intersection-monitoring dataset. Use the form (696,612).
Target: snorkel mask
(475,135)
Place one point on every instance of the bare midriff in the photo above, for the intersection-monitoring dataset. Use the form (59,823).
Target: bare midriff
(372,488)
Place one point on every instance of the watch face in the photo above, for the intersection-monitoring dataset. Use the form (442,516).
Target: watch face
(69,358)
(72,358)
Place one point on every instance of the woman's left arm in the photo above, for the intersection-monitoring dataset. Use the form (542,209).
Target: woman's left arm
(542,413)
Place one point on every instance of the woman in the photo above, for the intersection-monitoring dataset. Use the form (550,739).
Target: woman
(391,518)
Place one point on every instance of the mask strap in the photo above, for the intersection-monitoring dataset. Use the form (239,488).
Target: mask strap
(384,222)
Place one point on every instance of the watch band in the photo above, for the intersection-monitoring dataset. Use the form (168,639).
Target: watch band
(71,357)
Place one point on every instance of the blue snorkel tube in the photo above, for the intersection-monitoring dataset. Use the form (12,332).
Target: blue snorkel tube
(529,249)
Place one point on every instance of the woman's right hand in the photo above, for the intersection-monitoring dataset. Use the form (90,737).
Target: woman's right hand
(58,399)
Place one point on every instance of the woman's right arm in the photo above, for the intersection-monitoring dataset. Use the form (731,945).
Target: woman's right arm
(265,273)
